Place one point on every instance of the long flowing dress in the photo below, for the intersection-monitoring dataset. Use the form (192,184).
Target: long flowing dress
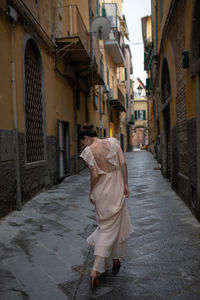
(105,158)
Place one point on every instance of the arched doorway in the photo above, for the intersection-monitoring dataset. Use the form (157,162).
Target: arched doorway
(166,99)
(140,137)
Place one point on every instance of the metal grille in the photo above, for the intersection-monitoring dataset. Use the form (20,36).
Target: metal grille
(34,111)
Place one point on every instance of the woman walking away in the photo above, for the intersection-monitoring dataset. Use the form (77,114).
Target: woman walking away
(108,190)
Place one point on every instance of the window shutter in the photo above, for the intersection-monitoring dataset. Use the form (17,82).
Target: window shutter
(136,115)
(103,12)
(125,69)
(126,100)
(148,84)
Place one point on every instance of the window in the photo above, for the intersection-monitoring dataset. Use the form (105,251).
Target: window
(104,133)
(140,115)
(33,104)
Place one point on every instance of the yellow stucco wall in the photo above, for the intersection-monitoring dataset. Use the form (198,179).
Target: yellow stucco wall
(190,96)
(43,12)
(140,105)
(6,112)
(161,22)
(149,27)
(168,54)
(190,82)
(58,92)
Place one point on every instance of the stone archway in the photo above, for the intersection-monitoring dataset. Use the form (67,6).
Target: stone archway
(140,137)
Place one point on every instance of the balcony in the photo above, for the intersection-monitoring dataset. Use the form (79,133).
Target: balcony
(71,34)
(119,103)
(115,48)
(73,43)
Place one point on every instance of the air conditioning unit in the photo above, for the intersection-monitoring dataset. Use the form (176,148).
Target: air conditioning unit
(111,35)
(11,12)
(111,94)
(106,88)
(96,104)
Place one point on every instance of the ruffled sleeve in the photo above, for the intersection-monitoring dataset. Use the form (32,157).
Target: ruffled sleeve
(88,157)
(116,155)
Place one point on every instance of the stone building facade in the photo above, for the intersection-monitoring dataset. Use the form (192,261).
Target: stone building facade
(53,77)
(175,92)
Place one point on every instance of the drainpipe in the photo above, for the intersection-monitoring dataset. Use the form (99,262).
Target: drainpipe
(156,17)
(75,96)
(15,121)
(91,64)
(91,35)
(76,87)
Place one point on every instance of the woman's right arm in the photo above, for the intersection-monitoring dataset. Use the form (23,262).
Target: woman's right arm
(123,165)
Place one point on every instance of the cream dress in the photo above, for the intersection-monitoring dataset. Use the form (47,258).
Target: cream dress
(104,159)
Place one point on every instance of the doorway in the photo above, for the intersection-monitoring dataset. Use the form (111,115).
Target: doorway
(63,149)
(122,141)
(167,143)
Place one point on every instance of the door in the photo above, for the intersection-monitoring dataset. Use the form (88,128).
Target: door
(167,143)
(63,149)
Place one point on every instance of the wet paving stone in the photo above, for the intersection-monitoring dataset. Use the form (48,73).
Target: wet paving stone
(44,254)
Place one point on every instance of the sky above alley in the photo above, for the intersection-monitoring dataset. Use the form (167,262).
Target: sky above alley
(134,10)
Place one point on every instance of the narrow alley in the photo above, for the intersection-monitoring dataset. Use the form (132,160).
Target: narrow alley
(44,254)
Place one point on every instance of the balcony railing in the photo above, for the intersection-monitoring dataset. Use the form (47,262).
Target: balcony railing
(98,59)
(115,47)
(121,97)
(73,40)
(69,26)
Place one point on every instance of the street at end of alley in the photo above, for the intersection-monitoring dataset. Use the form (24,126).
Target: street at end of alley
(44,254)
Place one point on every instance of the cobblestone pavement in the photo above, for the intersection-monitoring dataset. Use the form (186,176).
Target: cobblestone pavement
(44,255)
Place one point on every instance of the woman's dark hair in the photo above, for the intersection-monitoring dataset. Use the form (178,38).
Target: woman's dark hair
(87,130)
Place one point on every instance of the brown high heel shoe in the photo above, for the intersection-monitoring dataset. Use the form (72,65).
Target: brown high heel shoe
(116,265)
(94,279)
